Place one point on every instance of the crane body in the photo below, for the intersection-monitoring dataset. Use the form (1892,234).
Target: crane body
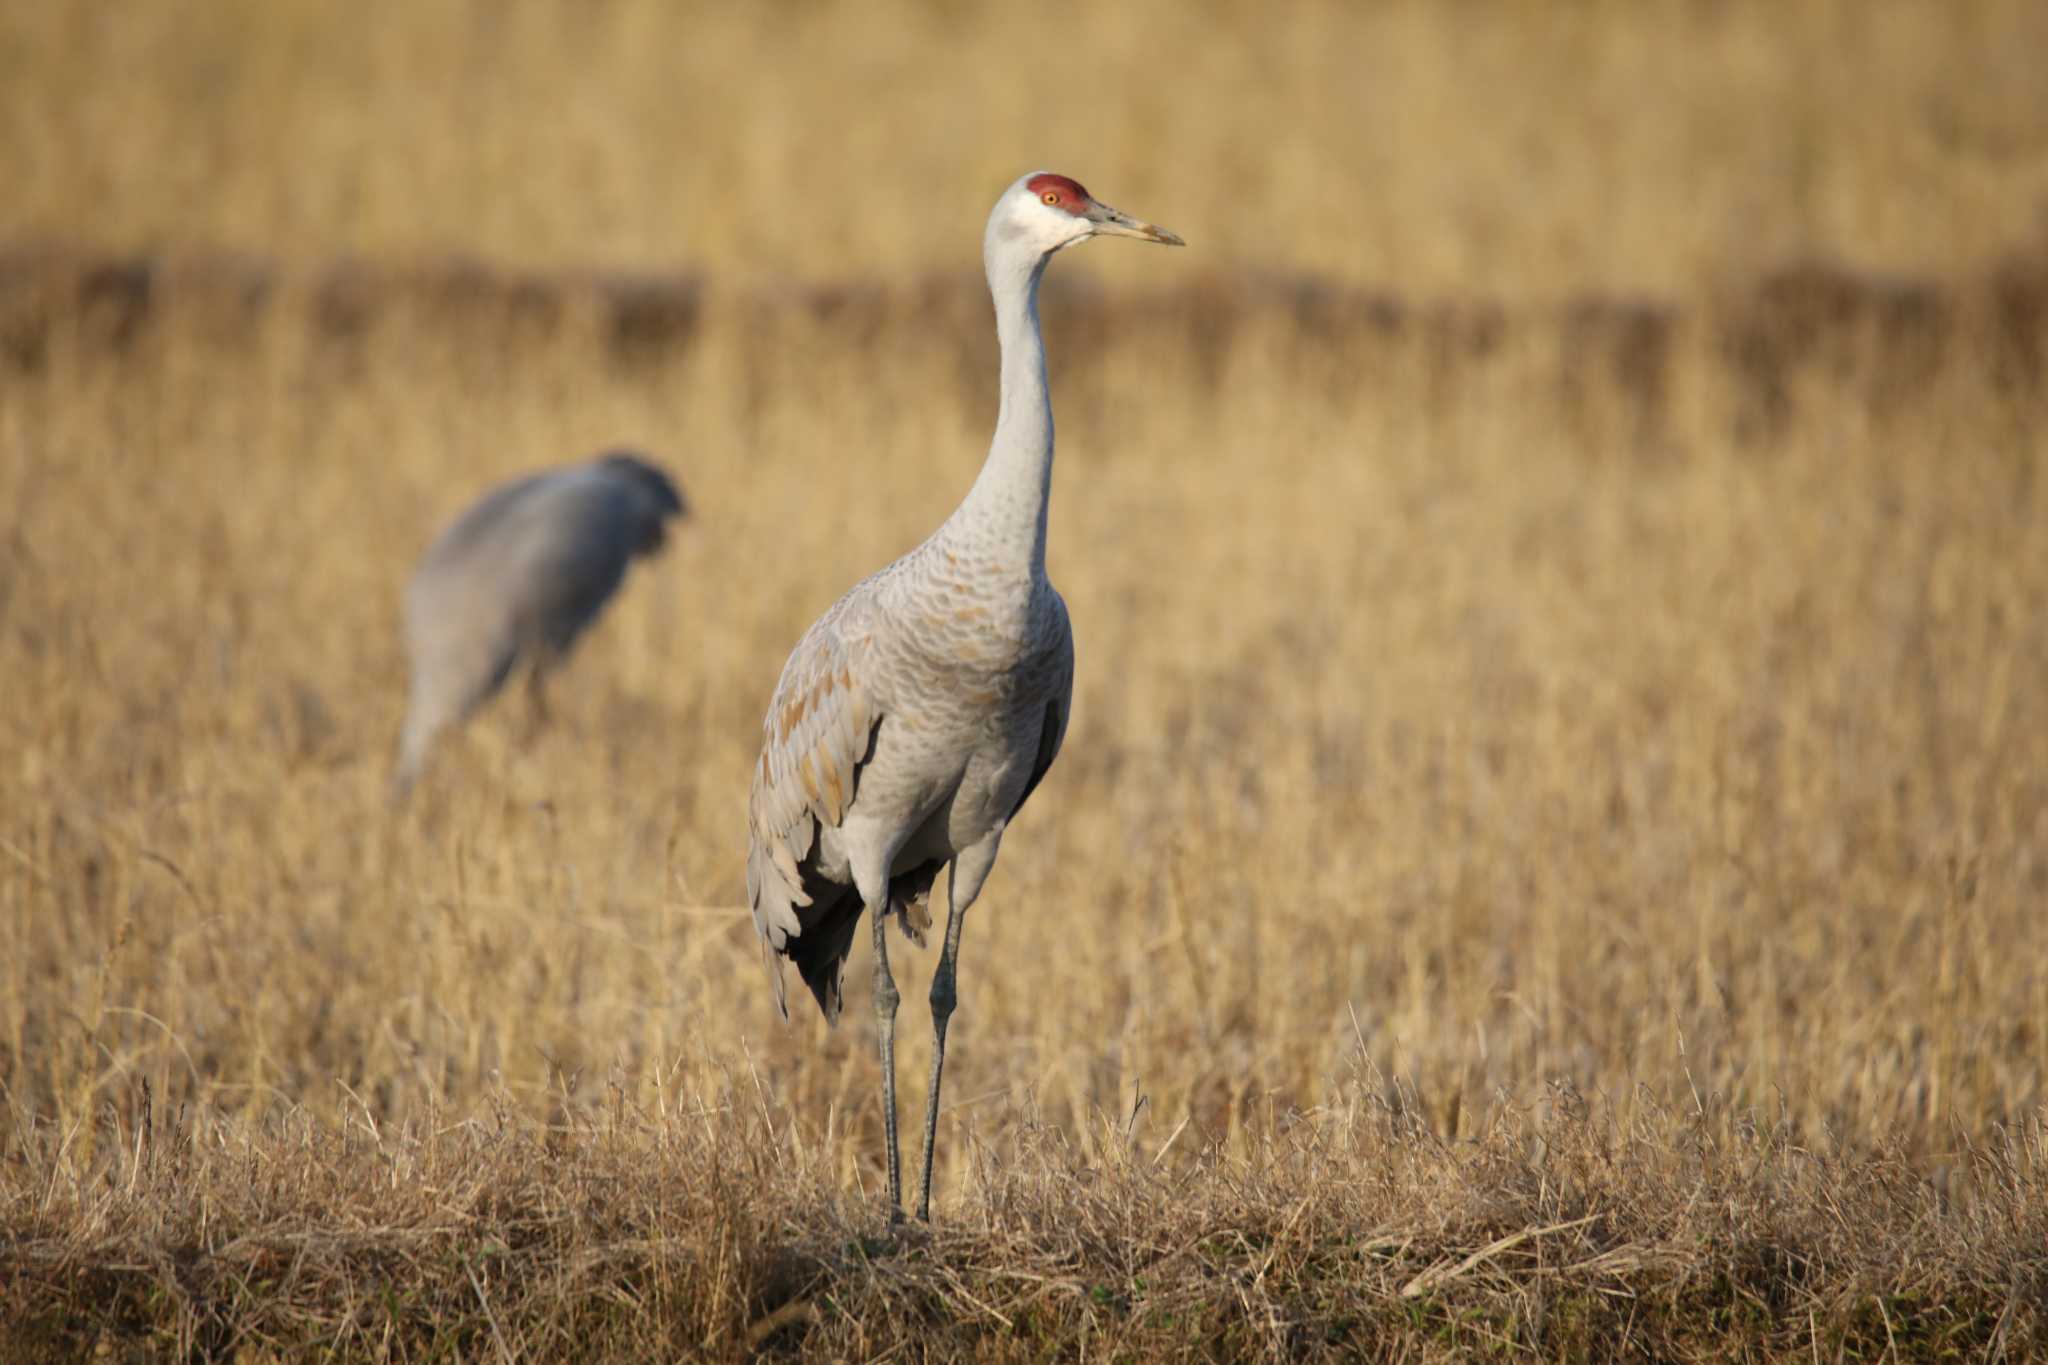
(515,580)
(915,718)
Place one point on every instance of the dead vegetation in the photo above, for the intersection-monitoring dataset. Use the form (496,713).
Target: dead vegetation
(1675,744)
(1554,828)
(714,1228)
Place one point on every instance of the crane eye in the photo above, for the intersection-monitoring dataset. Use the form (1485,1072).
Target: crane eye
(1051,196)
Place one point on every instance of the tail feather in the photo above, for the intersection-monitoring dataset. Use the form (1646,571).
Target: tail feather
(910,899)
(820,952)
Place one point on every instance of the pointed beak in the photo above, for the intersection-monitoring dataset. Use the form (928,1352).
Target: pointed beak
(1111,222)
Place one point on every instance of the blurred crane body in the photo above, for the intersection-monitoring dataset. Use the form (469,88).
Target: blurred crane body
(515,580)
(914,719)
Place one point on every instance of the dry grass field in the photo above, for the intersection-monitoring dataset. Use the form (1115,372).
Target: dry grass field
(1551,851)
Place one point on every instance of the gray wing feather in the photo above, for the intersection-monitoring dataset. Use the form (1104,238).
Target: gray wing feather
(1053,732)
(532,563)
(818,732)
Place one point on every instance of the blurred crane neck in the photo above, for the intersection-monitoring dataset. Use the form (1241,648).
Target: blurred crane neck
(1002,521)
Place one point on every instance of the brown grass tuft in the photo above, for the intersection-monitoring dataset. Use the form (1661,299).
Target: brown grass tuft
(1554,826)
(714,1229)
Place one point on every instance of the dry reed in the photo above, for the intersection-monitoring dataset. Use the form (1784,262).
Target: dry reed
(1551,843)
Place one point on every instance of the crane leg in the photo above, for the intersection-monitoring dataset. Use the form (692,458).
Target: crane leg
(970,869)
(885,1028)
(944,997)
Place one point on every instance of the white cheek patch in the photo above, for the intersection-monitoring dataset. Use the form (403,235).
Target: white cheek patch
(1069,228)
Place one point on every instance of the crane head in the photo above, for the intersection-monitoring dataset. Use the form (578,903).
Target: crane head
(1047,212)
(655,494)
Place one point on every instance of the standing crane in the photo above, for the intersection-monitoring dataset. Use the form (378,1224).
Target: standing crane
(514,580)
(917,715)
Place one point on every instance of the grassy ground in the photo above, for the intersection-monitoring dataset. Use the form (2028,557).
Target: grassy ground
(1488,148)
(711,1226)
(1554,828)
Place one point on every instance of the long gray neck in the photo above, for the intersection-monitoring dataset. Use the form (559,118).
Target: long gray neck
(1002,519)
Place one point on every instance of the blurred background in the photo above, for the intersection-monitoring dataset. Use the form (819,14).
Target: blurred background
(1483,150)
(1555,564)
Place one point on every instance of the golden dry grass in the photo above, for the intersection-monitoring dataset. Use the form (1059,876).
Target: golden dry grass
(1486,148)
(712,1232)
(1560,731)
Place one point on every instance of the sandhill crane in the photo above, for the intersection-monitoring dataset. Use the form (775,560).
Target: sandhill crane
(918,714)
(515,579)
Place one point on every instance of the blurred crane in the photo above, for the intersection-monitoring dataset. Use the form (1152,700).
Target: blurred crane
(916,717)
(514,581)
